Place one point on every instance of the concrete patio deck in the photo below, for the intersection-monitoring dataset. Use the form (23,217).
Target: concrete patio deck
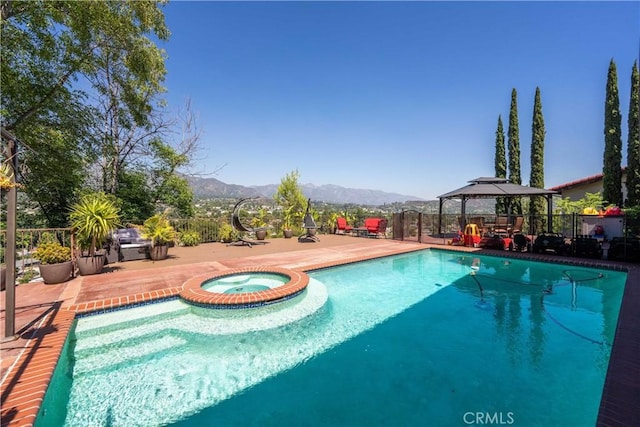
(44,313)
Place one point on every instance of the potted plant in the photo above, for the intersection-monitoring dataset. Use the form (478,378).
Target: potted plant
(55,262)
(159,231)
(259,224)
(93,218)
(287,217)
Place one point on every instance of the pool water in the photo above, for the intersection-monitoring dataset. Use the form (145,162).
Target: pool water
(239,283)
(246,288)
(428,338)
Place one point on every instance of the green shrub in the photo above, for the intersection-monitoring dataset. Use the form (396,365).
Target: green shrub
(28,275)
(227,233)
(158,229)
(190,238)
(52,253)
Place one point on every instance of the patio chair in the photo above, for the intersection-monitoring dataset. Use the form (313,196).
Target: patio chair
(342,227)
(243,229)
(310,225)
(517,225)
(502,225)
(376,227)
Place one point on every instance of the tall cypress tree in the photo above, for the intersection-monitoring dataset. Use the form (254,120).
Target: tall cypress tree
(514,150)
(611,169)
(633,141)
(536,179)
(500,163)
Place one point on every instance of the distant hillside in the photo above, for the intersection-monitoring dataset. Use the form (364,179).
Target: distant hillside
(211,188)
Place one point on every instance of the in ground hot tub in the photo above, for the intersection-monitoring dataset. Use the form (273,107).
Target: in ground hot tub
(244,288)
(245,282)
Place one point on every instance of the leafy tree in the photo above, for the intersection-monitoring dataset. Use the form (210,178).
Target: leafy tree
(170,189)
(130,119)
(633,141)
(290,198)
(514,150)
(46,47)
(55,173)
(536,180)
(500,163)
(611,170)
(137,202)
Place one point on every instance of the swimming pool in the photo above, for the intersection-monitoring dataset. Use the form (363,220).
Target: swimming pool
(429,338)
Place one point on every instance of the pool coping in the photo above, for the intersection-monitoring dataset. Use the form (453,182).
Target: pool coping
(24,387)
(193,293)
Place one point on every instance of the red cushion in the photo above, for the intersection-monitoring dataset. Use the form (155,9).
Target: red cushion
(342,224)
(372,224)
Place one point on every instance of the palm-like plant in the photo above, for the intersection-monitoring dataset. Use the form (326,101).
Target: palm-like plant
(93,218)
(158,229)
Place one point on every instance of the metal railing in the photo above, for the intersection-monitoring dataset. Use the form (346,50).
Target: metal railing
(207,228)
(423,227)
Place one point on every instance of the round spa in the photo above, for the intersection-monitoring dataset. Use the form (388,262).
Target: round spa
(244,288)
(241,282)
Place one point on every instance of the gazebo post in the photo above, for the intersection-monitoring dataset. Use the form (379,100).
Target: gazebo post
(549,213)
(463,212)
(440,218)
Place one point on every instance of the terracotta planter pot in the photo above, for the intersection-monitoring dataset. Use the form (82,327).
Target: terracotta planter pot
(159,252)
(261,234)
(90,265)
(288,234)
(56,273)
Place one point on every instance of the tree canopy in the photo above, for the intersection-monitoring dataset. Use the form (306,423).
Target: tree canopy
(290,198)
(537,205)
(81,85)
(611,169)
(500,162)
(514,150)
(633,140)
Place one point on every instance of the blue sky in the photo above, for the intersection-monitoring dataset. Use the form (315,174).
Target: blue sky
(396,96)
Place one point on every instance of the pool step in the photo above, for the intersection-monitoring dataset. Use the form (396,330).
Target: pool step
(119,319)
(129,353)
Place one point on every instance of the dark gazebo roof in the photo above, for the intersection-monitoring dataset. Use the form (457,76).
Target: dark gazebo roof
(494,187)
(490,187)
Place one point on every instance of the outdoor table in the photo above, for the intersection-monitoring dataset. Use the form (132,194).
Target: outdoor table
(360,232)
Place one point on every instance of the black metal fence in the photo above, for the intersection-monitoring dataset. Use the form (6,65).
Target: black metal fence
(207,228)
(612,230)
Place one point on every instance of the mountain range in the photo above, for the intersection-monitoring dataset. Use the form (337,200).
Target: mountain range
(211,188)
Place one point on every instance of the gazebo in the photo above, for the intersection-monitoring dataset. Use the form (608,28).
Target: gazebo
(491,187)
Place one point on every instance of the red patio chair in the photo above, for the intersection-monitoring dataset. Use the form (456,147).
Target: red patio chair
(342,227)
(376,227)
